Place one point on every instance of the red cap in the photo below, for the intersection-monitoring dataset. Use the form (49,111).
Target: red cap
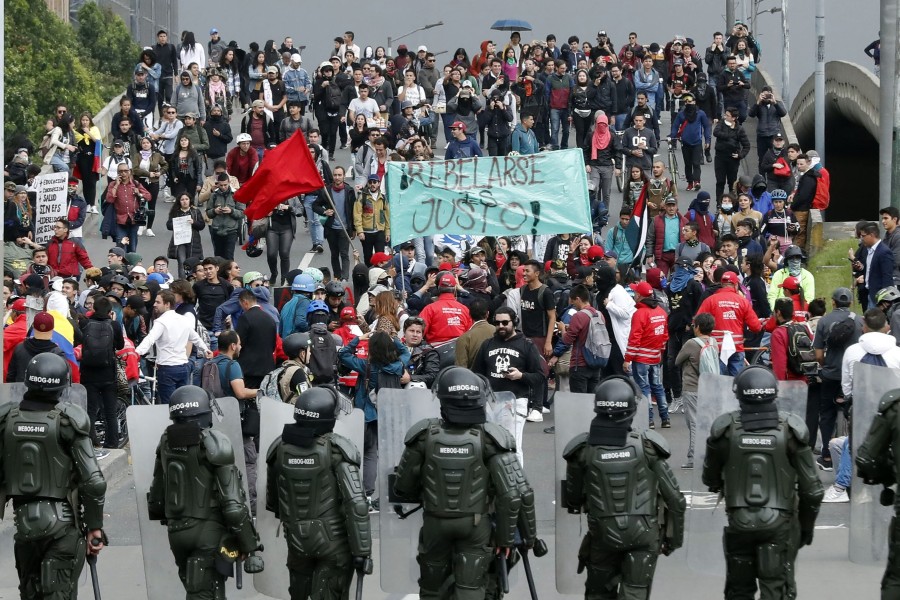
(445,266)
(447,280)
(643,288)
(378,258)
(19,305)
(654,278)
(790,283)
(595,253)
(43,322)
(458,124)
(730,277)
(348,313)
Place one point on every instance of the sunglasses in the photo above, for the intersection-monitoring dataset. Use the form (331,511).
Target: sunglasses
(502,323)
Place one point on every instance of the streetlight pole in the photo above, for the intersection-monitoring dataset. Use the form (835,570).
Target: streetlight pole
(785,57)
(820,80)
(729,16)
(422,28)
(889,125)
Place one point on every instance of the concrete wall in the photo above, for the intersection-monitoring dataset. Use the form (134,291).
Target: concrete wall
(761,78)
(850,89)
(103,119)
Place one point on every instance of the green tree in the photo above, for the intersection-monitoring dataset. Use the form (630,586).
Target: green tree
(105,40)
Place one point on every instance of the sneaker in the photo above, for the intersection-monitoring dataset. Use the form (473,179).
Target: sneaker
(836,494)
(534,416)
(551,429)
(652,426)
(688,465)
(824,465)
(689,187)
(343,146)
(141,230)
(666,424)
(100,453)
(149,233)
(373,505)
(676,406)
(318,249)
(545,410)
(93,209)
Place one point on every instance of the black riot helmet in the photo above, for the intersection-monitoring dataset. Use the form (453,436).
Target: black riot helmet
(462,394)
(615,399)
(334,288)
(48,373)
(294,344)
(191,404)
(314,414)
(755,385)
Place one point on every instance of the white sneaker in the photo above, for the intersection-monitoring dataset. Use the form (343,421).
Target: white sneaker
(149,233)
(545,410)
(535,416)
(141,230)
(835,494)
(93,210)
(676,406)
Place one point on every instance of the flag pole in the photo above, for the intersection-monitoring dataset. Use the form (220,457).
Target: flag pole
(334,208)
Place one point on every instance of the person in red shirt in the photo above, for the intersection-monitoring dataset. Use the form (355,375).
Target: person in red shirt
(732,312)
(646,343)
(783,316)
(445,319)
(65,255)
(240,162)
(14,334)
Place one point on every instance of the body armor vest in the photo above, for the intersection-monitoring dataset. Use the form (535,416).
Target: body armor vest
(619,481)
(190,482)
(455,479)
(758,473)
(307,486)
(35,463)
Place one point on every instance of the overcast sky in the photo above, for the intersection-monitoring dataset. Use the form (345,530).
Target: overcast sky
(850,26)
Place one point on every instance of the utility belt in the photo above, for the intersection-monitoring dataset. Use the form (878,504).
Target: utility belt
(476,517)
(39,518)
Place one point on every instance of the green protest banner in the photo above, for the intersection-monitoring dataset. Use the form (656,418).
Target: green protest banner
(493,195)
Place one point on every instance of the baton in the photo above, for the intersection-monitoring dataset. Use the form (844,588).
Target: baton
(364,567)
(502,573)
(398,508)
(238,574)
(92,562)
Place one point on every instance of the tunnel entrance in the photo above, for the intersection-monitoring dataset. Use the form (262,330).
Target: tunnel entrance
(851,156)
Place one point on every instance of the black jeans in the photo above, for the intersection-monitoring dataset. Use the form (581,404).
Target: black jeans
(830,391)
(498,146)
(583,380)
(693,158)
(223,245)
(102,399)
(339,246)
(165,91)
(153,188)
(726,169)
(673,382)
(763,143)
(278,245)
(329,127)
(89,187)
(373,243)
(582,127)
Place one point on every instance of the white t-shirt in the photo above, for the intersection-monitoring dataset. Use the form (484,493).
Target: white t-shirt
(368,107)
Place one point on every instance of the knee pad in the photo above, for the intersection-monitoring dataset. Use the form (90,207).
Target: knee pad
(55,575)
(638,568)
(470,568)
(432,575)
(200,574)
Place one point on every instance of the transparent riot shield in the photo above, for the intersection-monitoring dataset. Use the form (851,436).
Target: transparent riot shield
(13,392)
(509,412)
(706,517)
(146,425)
(398,410)
(869,520)
(274,414)
(573,414)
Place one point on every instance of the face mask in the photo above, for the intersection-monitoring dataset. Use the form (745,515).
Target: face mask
(727,208)
(794,265)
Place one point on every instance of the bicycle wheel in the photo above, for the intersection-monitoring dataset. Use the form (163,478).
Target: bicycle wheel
(100,426)
(673,163)
(242,232)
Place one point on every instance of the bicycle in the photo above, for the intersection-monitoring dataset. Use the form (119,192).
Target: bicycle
(620,178)
(673,158)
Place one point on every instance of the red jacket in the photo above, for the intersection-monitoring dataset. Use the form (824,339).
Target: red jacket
(732,312)
(658,233)
(779,351)
(445,319)
(13,335)
(649,333)
(65,256)
(823,190)
(124,198)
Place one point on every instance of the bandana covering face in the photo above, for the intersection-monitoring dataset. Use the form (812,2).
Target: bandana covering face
(794,266)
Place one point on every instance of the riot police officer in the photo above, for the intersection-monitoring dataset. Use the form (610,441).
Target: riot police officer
(458,466)
(47,455)
(204,506)
(759,459)
(313,486)
(616,476)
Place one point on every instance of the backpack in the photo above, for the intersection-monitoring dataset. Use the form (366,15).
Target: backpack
(269,386)
(332,97)
(211,379)
(560,299)
(709,356)
(801,358)
(98,347)
(323,354)
(841,333)
(597,345)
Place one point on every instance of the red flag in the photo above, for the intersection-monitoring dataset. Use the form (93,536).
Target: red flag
(287,171)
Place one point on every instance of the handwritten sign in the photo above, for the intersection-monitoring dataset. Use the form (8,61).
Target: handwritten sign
(51,204)
(181,230)
(497,195)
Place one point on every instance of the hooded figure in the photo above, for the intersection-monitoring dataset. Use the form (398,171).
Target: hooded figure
(698,212)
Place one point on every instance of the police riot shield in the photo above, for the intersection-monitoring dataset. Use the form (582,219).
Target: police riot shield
(706,517)
(504,409)
(869,520)
(146,425)
(573,414)
(13,392)
(398,410)
(274,414)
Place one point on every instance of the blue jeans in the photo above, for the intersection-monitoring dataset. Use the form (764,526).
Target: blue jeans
(169,379)
(316,231)
(58,164)
(260,152)
(735,364)
(559,119)
(840,455)
(620,121)
(649,379)
(195,365)
(424,249)
(129,231)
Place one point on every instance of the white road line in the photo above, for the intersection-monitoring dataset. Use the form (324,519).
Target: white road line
(307,258)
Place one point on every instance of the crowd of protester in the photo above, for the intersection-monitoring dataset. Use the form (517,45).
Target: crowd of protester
(714,288)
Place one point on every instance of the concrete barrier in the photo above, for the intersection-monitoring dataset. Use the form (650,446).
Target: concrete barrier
(815,232)
(759,79)
(103,119)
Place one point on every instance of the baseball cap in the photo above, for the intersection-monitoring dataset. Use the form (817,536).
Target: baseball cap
(684,261)
(118,143)
(422,49)
(156,278)
(458,125)
(43,322)
(140,270)
(407,245)
(213,31)
(612,254)
(790,283)
(271,69)
(377,289)
(117,251)
(595,253)
(348,313)
(133,258)
(643,288)
(670,200)
(252,276)
(257,104)
(374,177)
(778,135)
(478,250)
(446,280)
(466,83)
(379,257)
(729,277)
(296,58)
(10,185)
(19,305)
(842,295)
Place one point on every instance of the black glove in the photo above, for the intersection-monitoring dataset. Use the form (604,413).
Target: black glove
(887,497)
(254,564)
(806,537)
(364,564)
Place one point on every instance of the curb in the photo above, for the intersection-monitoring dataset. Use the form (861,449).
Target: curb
(115,467)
